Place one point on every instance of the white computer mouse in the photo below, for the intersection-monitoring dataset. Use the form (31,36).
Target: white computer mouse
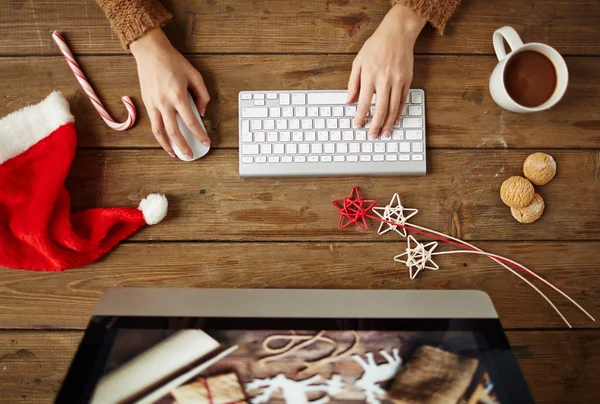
(198,149)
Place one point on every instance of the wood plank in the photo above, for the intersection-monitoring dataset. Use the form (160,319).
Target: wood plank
(559,366)
(209,201)
(460,111)
(318,26)
(68,298)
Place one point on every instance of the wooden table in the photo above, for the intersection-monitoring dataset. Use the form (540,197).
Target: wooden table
(223,231)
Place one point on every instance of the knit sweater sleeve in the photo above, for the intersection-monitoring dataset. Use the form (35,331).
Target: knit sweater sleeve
(131,19)
(437,12)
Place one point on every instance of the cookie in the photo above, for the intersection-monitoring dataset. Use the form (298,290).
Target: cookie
(539,168)
(517,192)
(531,212)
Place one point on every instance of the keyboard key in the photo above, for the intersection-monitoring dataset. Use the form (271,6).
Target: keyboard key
(301,112)
(415,110)
(297,136)
(345,123)
(275,112)
(379,147)
(256,124)
(361,135)
(313,111)
(354,147)
(278,148)
(391,157)
(378,157)
(412,123)
(313,159)
(269,124)
(332,123)
(250,149)
(414,135)
(307,124)
(398,135)
(294,123)
(327,98)
(316,148)
(300,159)
(271,96)
(348,135)
(367,147)
(259,96)
(288,112)
(404,157)
(282,124)
(392,147)
(265,149)
(254,113)
(417,147)
(246,96)
(352,158)
(298,98)
(304,148)
(329,148)
(326,159)
(247,160)
(272,137)
(310,136)
(365,157)
(417,157)
(404,147)
(284,136)
(338,111)
(273,159)
(319,123)
(261,159)
(291,148)
(337,159)
(284,99)
(342,148)
(335,135)
(416,97)
(245,126)
(405,110)
(351,111)
(323,136)
(259,136)
(325,111)
(287,159)
(247,137)
(259,102)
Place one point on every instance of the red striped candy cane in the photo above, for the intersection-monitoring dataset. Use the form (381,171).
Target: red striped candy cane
(90,91)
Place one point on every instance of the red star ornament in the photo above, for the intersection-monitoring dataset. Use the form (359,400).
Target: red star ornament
(353,210)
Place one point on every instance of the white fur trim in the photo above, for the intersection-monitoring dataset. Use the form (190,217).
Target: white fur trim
(22,129)
(154,207)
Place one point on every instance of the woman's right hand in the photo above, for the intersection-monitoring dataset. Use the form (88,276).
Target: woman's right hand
(165,76)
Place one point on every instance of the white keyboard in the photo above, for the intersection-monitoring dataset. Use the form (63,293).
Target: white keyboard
(312,133)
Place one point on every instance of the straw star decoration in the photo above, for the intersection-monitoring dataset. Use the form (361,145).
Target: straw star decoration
(418,256)
(394,212)
(354,210)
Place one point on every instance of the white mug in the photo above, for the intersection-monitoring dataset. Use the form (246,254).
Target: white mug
(497,84)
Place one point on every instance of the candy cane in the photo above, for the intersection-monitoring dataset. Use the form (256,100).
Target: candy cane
(90,91)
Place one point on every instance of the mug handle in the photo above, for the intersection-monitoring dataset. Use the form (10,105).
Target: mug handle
(509,35)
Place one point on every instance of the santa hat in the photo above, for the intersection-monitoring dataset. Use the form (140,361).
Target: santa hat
(37,229)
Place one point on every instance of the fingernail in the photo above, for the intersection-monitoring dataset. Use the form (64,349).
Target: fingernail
(203,111)
(372,135)
(386,133)
(172,154)
(360,125)
(189,156)
(207,144)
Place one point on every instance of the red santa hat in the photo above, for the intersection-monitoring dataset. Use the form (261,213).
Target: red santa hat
(37,229)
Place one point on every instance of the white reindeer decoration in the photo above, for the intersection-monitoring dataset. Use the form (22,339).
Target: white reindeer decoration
(377,373)
(295,392)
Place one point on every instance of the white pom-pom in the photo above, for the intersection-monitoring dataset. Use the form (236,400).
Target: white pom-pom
(154,207)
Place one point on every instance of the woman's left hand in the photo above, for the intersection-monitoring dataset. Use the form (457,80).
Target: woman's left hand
(384,66)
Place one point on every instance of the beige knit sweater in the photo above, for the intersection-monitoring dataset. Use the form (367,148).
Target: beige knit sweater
(131,19)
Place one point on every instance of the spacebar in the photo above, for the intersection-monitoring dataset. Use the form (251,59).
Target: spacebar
(327,98)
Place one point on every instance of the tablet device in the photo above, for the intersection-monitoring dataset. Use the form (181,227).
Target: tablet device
(183,346)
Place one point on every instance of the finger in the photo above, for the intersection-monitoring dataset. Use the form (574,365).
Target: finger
(364,101)
(158,129)
(200,91)
(353,84)
(402,102)
(190,120)
(381,110)
(174,133)
(393,108)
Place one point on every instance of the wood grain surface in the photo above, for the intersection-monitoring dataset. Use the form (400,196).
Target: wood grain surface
(460,110)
